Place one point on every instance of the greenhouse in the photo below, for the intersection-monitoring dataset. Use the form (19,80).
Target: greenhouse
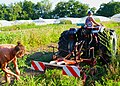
(116,17)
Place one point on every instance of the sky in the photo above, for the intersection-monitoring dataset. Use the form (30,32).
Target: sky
(91,3)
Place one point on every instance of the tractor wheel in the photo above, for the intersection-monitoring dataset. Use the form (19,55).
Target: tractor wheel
(107,45)
(113,42)
(63,44)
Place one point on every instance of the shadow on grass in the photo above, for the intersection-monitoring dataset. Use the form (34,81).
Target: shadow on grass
(39,56)
(36,56)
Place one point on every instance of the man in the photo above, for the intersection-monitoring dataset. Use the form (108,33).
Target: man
(90,22)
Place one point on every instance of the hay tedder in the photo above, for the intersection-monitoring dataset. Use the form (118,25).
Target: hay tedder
(82,46)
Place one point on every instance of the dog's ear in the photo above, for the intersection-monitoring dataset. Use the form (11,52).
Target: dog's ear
(17,48)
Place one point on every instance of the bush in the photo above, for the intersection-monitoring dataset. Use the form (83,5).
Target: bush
(65,22)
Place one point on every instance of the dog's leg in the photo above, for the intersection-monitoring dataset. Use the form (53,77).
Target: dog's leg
(16,66)
(7,71)
(7,77)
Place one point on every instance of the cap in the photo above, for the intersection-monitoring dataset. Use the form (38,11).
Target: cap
(90,12)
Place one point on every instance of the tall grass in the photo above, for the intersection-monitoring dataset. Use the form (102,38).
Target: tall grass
(33,37)
(50,78)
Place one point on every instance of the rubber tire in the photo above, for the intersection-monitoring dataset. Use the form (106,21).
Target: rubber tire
(107,51)
(63,44)
(113,42)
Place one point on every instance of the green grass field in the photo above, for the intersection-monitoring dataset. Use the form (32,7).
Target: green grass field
(36,39)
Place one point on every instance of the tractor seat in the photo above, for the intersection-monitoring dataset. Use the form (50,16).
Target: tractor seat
(96,29)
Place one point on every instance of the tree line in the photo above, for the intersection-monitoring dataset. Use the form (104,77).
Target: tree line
(27,10)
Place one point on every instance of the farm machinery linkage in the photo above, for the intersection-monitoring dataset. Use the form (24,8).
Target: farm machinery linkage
(84,45)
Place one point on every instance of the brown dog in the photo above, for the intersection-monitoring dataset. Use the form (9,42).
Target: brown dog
(8,53)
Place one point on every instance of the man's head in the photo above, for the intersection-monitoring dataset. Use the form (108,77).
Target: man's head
(90,13)
(20,50)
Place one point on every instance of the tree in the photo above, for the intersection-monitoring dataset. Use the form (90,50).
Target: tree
(5,12)
(17,10)
(71,8)
(28,7)
(38,10)
(46,8)
(14,11)
(11,16)
(22,14)
(93,9)
(43,9)
(28,10)
(109,9)
(1,12)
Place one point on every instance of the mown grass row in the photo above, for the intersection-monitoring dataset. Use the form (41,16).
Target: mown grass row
(33,37)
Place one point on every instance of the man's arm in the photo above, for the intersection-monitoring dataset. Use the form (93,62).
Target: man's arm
(94,21)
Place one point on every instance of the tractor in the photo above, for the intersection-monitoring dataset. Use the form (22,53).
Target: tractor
(96,45)
(88,43)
